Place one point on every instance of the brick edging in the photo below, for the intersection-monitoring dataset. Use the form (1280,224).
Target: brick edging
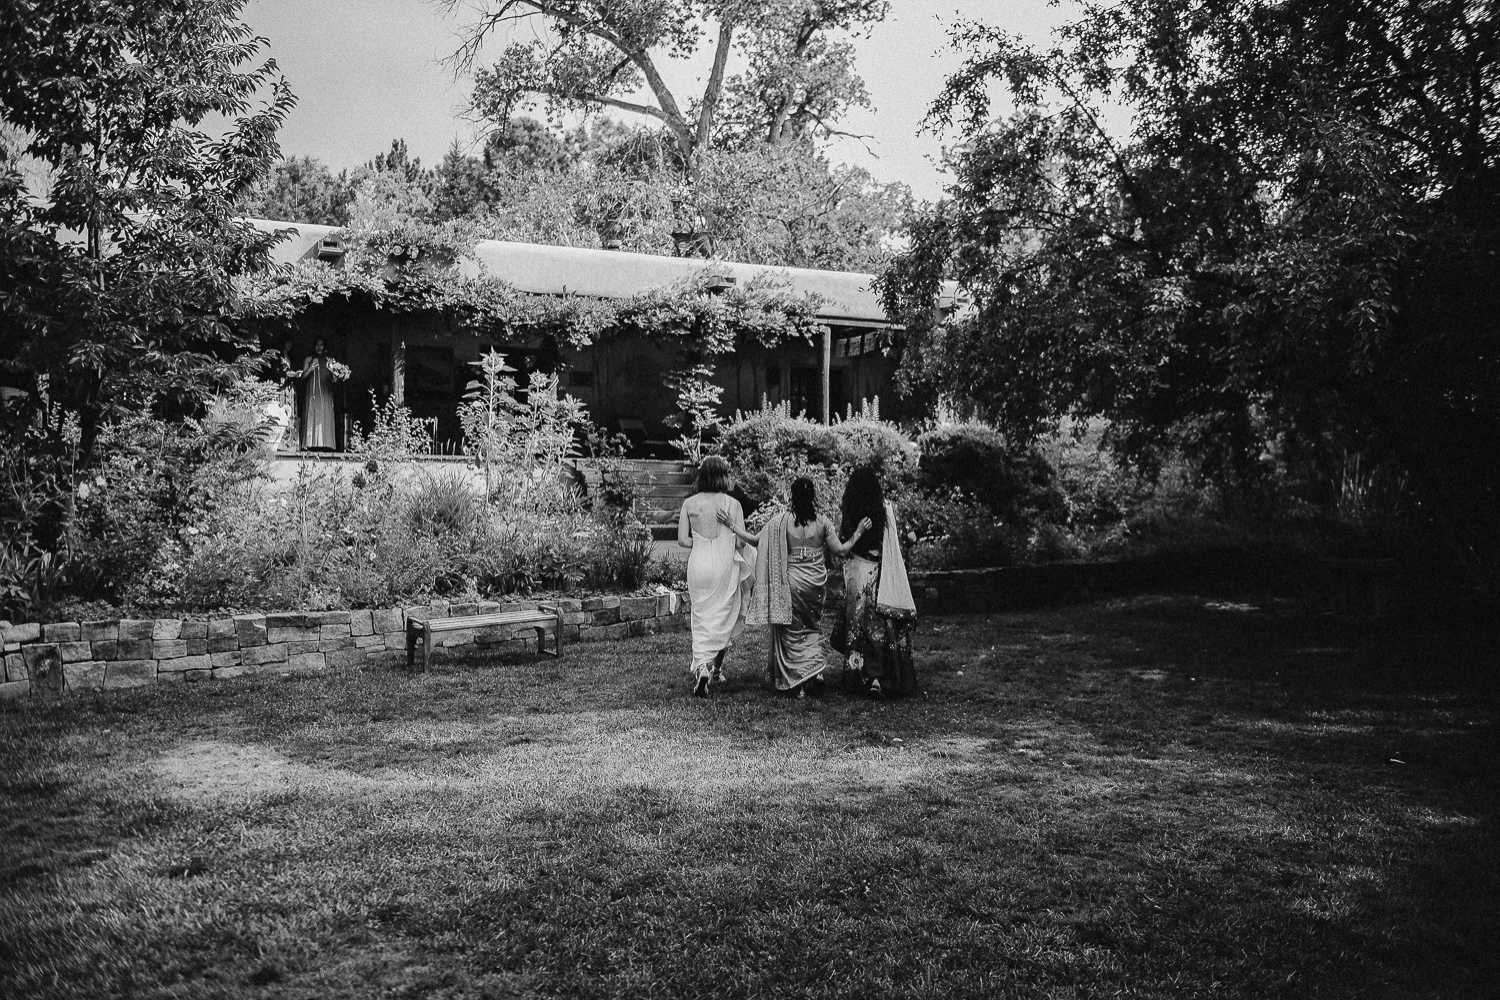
(136,652)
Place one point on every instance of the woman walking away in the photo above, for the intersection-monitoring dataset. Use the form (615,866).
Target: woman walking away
(876,621)
(790,577)
(719,571)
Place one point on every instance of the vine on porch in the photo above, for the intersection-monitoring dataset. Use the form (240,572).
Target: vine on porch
(417,268)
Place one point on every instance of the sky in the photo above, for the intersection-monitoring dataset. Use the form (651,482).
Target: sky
(369,71)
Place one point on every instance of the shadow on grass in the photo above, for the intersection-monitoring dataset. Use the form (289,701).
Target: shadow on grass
(1172,795)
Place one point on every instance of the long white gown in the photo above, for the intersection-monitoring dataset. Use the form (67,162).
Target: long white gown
(719,577)
(317,410)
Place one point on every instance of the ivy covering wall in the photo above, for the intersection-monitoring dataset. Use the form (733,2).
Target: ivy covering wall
(416,269)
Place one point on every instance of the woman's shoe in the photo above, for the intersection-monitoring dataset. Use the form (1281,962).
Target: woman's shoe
(874,689)
(700,689)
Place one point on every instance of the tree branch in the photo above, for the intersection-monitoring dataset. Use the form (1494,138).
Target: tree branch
(715,88)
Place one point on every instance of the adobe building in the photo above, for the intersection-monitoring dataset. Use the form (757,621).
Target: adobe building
(422,358)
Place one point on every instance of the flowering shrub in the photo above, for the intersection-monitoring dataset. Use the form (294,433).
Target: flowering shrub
(769,448)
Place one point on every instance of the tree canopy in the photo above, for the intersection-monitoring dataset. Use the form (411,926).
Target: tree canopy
(780,205)
(1292,247)
(112,286)
(799,78)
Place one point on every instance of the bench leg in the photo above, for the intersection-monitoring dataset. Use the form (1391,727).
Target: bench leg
(541,642)
(426,647)
(411,646)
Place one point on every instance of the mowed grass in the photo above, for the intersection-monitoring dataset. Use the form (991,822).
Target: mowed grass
(1165,796)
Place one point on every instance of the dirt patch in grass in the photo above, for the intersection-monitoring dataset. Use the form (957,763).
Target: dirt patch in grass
(1161,797)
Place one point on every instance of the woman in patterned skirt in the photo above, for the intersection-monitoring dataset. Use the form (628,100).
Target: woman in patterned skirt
(876,621)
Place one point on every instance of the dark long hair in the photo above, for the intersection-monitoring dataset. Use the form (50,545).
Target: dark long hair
(804,501)
(863,497)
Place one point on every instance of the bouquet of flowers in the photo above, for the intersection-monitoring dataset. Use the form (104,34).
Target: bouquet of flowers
(337,369)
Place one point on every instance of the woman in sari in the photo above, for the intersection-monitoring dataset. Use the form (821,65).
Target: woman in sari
(875,623)
(790,576)
(719,571)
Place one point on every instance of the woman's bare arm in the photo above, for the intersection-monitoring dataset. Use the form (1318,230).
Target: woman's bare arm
(842,548)
(684,530)
(727,520)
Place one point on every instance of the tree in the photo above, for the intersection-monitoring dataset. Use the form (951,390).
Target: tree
(111,291)
(780,205)
(458,187)
(800,80)
(1295,241)
(598,54)
(300,189)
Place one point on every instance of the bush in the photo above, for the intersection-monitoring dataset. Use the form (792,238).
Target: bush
(442,504)
(1098,491)
(156,487)
(769,448)
(1016,484)
(950,530)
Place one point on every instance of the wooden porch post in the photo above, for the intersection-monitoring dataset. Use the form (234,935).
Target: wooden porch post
(398,372)
(827,364)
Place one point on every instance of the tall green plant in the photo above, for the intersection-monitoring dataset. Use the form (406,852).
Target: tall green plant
(487,413)
(697,415)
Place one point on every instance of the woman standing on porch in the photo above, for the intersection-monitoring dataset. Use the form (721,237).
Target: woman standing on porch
(317,408)
(791,576)
(719,570)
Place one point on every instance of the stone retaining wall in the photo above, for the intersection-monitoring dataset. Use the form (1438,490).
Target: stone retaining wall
(124,653)
(972,591)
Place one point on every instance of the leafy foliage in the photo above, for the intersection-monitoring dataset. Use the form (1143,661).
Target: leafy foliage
(1293,249)
(414,267)
(1016,484)
(112,286)
(770,448)
(799,81)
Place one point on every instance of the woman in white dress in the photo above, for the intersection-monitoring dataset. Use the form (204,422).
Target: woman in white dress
(317,408)
(720,571)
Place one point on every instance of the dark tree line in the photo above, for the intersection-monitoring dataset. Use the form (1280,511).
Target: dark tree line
(1292,252)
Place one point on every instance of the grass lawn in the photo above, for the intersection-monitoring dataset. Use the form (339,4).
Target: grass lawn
(1163,796)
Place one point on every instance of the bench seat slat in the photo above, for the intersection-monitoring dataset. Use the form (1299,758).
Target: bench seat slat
(479,621)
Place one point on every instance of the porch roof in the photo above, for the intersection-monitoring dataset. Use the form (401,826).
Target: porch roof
(847,298)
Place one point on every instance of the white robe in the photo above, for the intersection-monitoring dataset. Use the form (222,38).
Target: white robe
(719,577)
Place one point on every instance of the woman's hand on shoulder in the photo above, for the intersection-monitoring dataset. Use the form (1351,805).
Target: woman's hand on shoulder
(865,524)
(724,517)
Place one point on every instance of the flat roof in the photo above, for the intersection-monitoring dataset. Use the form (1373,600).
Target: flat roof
(846,297)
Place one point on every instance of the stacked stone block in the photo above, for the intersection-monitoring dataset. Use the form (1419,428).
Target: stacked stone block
(64,657)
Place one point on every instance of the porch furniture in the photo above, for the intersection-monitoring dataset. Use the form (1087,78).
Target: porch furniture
(544,617)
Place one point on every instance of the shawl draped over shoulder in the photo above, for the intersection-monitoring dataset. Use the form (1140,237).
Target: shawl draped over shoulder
(894,596)
(771,600)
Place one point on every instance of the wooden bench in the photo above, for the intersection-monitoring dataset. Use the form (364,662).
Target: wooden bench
(545,616)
